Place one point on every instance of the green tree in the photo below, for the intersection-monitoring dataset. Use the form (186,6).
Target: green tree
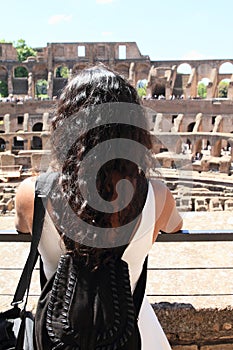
(20,72)
(23,50)
(41,88)
(141,87)
(3,89)
(202,90)
(62,72)
(223,88)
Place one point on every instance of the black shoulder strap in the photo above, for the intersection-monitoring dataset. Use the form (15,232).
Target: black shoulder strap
(43,186)
(140,288)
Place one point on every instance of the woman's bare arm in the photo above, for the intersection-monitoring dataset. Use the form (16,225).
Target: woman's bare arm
(168,218)
(24,205)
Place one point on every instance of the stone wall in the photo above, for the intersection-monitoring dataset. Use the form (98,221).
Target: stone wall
(191,329)
(162,76)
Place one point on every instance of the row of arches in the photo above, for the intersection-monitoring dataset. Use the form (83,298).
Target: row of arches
(46,83)
(18,143)
(225,70)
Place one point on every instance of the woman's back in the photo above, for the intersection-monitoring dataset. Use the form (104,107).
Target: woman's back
(101,146)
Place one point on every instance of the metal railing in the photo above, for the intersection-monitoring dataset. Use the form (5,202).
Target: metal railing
(180,236)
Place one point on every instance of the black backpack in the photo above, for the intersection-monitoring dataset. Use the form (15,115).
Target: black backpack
(86,309)
(81,308)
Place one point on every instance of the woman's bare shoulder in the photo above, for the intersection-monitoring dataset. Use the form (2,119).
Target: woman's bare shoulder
(24,204)
(158,185)
(26,188)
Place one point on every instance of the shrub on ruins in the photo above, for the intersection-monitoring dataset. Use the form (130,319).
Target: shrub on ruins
(23,50)
(223,88)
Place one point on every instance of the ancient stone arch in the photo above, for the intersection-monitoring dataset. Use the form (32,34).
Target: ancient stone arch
(36,143)
(37,127)
(163,76)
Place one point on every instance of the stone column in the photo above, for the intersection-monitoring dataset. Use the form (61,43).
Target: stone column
(230,89)
(198,123)
(216,148)
(45,121)
(8,144)
(45,137)
(29,143)
(197,146)
(177,123)
(218,124)
(50,85)
(25,122)
(132,74)
(7,123)
(31,85)
(158,123)
(10,84)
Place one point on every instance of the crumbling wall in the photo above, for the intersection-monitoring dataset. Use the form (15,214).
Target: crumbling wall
(190,329)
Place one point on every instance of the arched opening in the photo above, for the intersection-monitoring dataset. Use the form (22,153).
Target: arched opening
(36,143)
(184,68)
(141,87)
(20,72)
(223,88)
(190,127)
(42,89)
(226,147)
(158,91)
(202,88)
(226,68)
(206,147)
(18,143)
(183,72)
(37,127)
(2,145)
(189,143)
(62,72)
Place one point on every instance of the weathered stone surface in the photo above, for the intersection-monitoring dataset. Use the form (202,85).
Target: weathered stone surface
(217,347)
(185,347)
(186,325)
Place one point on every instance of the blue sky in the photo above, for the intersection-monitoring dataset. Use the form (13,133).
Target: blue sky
(171,29)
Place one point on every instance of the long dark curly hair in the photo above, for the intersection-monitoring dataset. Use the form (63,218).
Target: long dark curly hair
(98,107)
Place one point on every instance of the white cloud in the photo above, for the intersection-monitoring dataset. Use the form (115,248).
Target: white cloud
(106,34)
(56,19)
(104,1)
(194,55)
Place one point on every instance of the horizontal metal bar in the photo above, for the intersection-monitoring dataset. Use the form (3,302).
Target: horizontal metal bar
(181,236)
(14,236)
(196,236)
(188,268)
(190,295)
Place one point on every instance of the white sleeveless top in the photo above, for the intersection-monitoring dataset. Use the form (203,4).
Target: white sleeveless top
(51,248)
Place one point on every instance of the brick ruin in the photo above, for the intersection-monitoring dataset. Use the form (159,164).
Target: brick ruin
(189,133)
(164,77)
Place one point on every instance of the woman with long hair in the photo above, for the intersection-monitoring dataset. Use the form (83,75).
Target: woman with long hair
(104,199)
